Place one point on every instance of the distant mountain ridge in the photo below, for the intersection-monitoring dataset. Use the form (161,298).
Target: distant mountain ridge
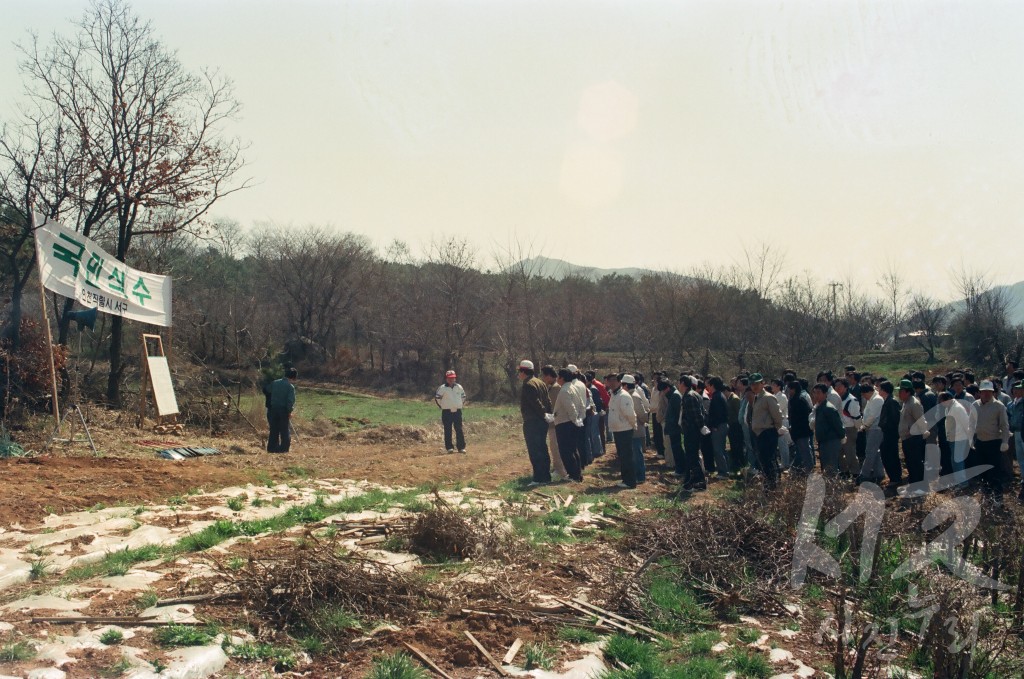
(1014,294)
(559,269)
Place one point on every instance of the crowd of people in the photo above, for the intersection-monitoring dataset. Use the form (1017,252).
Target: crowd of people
(954,430)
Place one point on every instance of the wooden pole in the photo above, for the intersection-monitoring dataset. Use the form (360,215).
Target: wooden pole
(144,387)
(46,323)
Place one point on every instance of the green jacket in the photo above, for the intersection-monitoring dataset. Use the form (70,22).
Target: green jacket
(282,394)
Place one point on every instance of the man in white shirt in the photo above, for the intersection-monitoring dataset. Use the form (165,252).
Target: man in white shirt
(849,413)
(872,470)
(450,398)
(622,423)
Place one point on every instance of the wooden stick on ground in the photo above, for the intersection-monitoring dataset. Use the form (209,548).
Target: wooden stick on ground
(480,647)
(608,621)
(426,661)
(613,616)
(513,650)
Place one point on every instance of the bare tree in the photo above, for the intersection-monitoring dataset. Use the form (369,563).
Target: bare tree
(461,297)
(893,287)
(40,168)
(150,132)
(981,328)
(927,317)
(318,275)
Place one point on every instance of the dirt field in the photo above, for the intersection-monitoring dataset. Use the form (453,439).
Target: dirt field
(128,471)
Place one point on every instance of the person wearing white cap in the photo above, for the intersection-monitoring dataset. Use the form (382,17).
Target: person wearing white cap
(569,411)
(991,437)
(535,406)
(450,398)
(622,423)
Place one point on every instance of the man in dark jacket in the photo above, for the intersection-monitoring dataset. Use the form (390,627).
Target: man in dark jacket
(535,405)
(800,426)
(828,429)
(672,429)
(280,403)
(889,423)
(718,423)
(692,424)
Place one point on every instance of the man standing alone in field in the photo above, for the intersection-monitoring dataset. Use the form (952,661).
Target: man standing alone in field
(279,412)
(450,398)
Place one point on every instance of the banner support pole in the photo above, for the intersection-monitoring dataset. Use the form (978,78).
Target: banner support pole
(46,324)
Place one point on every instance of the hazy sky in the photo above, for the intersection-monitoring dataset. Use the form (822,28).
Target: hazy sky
(626,133)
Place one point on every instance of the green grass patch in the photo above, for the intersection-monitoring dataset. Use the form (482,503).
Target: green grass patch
(17,651)
(313,645)
(173,636)
(701,644)
(540,533)
(111,637)
(697,668)
(749,664)
(335,620)
(396,666)
(673,607)
(350,412)
(632,652)
(37,569)
(118,669)
(237,504)
(578,635)
(118,563)
(517,485)
(538,656)
(115,563)
(748,635)
(147,600)
(284,659)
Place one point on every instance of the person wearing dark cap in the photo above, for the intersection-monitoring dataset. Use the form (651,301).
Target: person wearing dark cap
(535,406)
(766,426)
(991,437)
(693,424)
(450,397)
(281,399)
(913,428)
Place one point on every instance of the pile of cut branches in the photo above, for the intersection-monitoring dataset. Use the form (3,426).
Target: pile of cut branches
(444,533)
(309,589)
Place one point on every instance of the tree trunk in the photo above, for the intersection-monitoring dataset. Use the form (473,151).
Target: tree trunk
(13,330)
(114,378)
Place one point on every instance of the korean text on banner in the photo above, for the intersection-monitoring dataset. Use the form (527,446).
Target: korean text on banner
(75,266)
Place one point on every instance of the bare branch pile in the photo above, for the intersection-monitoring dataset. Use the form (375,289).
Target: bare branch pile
(309,588)
(443,532)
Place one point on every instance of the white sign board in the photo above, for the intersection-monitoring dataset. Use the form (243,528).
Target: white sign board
(73,265)
(163,390)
